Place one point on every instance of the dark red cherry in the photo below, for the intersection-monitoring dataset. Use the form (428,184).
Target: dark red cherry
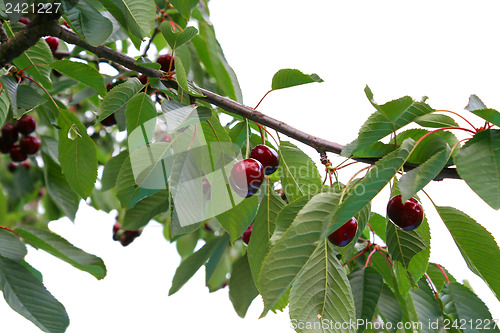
(12,166)
(53,43)
(128,236)
(24,20)
(407,216)
(30,145)
(26,125)
(344,235)
(246,235)
(109,120)
(26,165)
(10,133)
(246,177)
(5,145)
(17,154)
(165,60)
(267,156)
(143,78)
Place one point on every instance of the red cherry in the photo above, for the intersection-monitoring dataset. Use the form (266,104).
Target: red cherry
(24,20)
(143,78)
(26,165)
(165,60)
(246,177)
(116,231)
(109,120)
(344,235)
(246,235)
(26,124)
(17,154)
(66,25)
(128,236)
(53,43)
(407,216)
(109,86)
(267,156)
(12,166)
(5,145)
(10,133)
(30,145)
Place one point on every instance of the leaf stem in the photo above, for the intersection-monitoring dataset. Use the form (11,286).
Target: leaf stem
(262,99)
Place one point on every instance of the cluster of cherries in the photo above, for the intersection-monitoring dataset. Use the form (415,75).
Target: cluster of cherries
(125,237)
(167,65)
(19,149)
(247,175)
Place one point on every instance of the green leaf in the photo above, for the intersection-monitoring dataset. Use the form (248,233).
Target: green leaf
(180,74)
(186,244)
(434,120)
(26,295)
(59,189)
(176,39)
(236,220)
(77,154)
(89,23)
(118,97)
(477,245)
(389,118)
(242,290)
(418,264)
(292,252)
(403,245)
(478,163)
(416,179)
(62,249)
(286,216)
(82,73)
(427,308)
(366,189)
(490,115)
(286,78)
(366,285)
(475,103)
(137,16)
(139,110)
(139,215)
(128,191)
(389,307)
(10,85)
(36,58)
(298,173)
(27,99)
(379,225)
(11,246)
(437,276)
(464,306)
(111,170)
(4,107)
(321,292)
(191,264)
(263,228)
(185,7)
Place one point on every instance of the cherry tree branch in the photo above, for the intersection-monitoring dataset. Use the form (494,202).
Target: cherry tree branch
(321,145)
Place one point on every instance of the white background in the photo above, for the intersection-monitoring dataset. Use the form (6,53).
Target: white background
(446,50)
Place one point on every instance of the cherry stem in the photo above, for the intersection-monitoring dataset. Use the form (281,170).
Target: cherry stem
(262,99)
(357,255)
(431,284)
(350,180)
(8,229)
(458,115)
(373,232)
(375,248)
(444,273)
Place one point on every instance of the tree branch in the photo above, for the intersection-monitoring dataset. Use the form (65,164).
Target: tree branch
(321,145)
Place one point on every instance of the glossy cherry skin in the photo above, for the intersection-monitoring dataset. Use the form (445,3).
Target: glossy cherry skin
(407,216)
(129,236)
(26,125)
(109,120)
(24,20)
(344,235)
(12,166)
(267,156)
(165,60)
(30,145)
(53,43)
(10,133)
(246,177)
(5,145)
(17,154)
(246,235)
(143,78)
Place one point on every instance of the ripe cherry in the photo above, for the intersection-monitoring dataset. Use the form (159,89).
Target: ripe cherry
(53,43)
(30,145)
(12,166)
(246,177)
(5,145)
(165,60)
(407,216)
(116,231)
(246,235)
(267,156)
(26,125)
(17,154)
(109,120)
(143,78)
(344,235)
(24,20)
(26,165)
(10,133)
(128,236)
